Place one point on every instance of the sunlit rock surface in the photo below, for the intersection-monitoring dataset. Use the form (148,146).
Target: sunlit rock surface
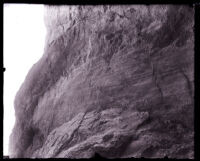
(113,80)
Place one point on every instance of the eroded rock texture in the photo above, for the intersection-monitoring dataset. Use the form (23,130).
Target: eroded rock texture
(113,80)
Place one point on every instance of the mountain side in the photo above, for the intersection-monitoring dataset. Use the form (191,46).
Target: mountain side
(114,80)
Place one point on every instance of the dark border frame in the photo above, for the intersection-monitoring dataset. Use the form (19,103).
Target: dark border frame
(192,3)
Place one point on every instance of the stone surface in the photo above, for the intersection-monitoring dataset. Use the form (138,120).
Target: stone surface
(114,80)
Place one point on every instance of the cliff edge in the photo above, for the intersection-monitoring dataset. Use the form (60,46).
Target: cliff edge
(114,80)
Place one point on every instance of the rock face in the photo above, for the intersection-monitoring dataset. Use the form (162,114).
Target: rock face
(114,80)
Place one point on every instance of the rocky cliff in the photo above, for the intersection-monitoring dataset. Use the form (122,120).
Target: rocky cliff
(114,80)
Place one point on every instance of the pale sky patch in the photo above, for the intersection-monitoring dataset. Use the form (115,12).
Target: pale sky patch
(23,45)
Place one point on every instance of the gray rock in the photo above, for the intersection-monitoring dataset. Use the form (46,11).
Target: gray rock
(114,80)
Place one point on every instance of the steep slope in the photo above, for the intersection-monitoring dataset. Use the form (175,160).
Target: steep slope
(113,80)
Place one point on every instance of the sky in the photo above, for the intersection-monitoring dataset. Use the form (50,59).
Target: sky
(23,45)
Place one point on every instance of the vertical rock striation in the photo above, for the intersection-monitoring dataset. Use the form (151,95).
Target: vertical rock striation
(113,80)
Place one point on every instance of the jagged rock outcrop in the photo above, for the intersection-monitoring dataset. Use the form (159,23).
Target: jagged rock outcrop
(114,80)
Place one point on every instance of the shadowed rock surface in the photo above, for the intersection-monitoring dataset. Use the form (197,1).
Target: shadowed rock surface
(114,80)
